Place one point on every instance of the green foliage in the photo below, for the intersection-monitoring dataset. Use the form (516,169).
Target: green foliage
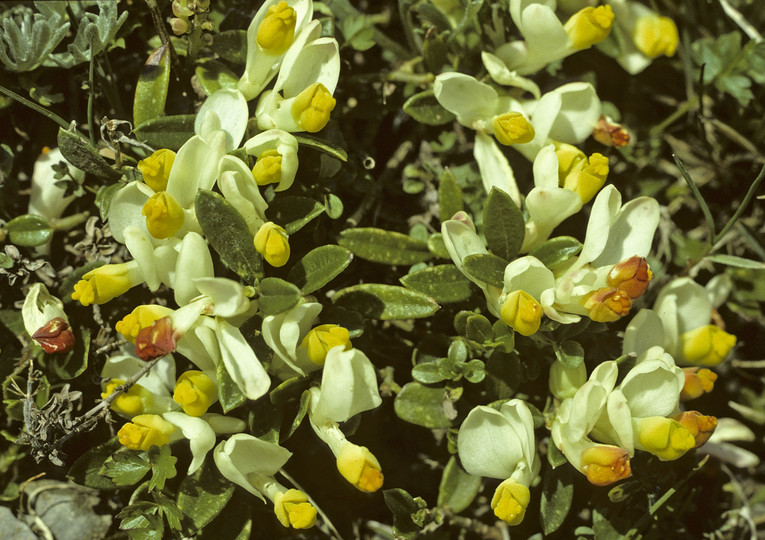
(443,283)
(381,246)
(29,230)
(27,38)
(503,225)
(318,267)
(386,302)
(152,85)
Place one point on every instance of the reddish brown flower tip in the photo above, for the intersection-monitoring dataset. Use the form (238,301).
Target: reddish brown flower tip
(55,337)
(155,340)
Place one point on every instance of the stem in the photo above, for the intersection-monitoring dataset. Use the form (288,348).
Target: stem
(35,107)
(702,203)
(683,109)
(91,121)
(159,25)
(741,207)
(68,222)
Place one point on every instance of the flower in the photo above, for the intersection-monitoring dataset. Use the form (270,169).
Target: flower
(320,340)
(698,381)
(665,438)
(46,198)
(156,168)
(252,463)
(106,282)
(272,242)
(164,216)
(277,159)
(500,444)
(348,387)
(195,392)
(145,431)
(45,320)
(589,26)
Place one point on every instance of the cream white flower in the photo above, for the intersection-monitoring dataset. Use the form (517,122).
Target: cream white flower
(277,160)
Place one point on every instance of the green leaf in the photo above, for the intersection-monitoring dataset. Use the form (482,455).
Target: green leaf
(326,147)
(277,296)
(449,196)
(82,155)
(458,488)
(126,467)
(169,509)
(569,353)
(29,230)
(403,506)
(227,233)
(104,197)
(229,393)
(151,88)
(74,363)
(333,206)
(554,456)
(422,405)
(305,400)
(425,108)
(386,302)
(503,374)
(443,283)
(555,251)
(213,75)
(167,131)
(557,496)
(319,266)
(429,373)
(86,471)
(202,495)
(231,45)
(503,225)
(738,262)
(162,466)
(294,212)
(381,246)
(479,329)
(437,247)
(487,268)
(13,321)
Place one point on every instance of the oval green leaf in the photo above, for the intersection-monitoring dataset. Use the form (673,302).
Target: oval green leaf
(204,494)
(425,108)
(556,251)
(83,155)
(428,373)
(231,45)
(443,283)
(319,266)
(385,302)
(151,89)
(75,361)
(293,212)
(557,496)
(167,131)
(322,146)
(486,268)
(503,225)
(458,488)
(29,230)
(213,75)
(381,246)
(422,405)
(228,234)
(277,296)
(449,196)
(437,247)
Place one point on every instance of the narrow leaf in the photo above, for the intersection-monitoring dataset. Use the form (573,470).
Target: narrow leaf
(294,212)
(443,283)
(503,223)
(167,131)
(319,266)
(381,246)
(151,88)
(449,196)
(228,234)
(82,155)
(386,302)
(322,146)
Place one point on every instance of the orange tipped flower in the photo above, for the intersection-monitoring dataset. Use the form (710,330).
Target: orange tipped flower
(604,464)
(155,340)
(608,304)
(698,381)
(631,276)
(699,425)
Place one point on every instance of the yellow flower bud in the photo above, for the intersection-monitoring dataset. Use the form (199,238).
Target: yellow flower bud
(665,438)
(697,382)
(707,345)
(268,168)
(164,216)
(510,501)
(277,29)
(512,128)
(145,431)
(630,276)
(272,242)
(589,26)
(654,36)
(132,402)
(140,318)
(579,174)
(321,339)
(699,425)
(312,106)
(195,392)
(522,313)
(156,169)
(293,509)
(607,304)
(605,464)
(104,283)
(360,467)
